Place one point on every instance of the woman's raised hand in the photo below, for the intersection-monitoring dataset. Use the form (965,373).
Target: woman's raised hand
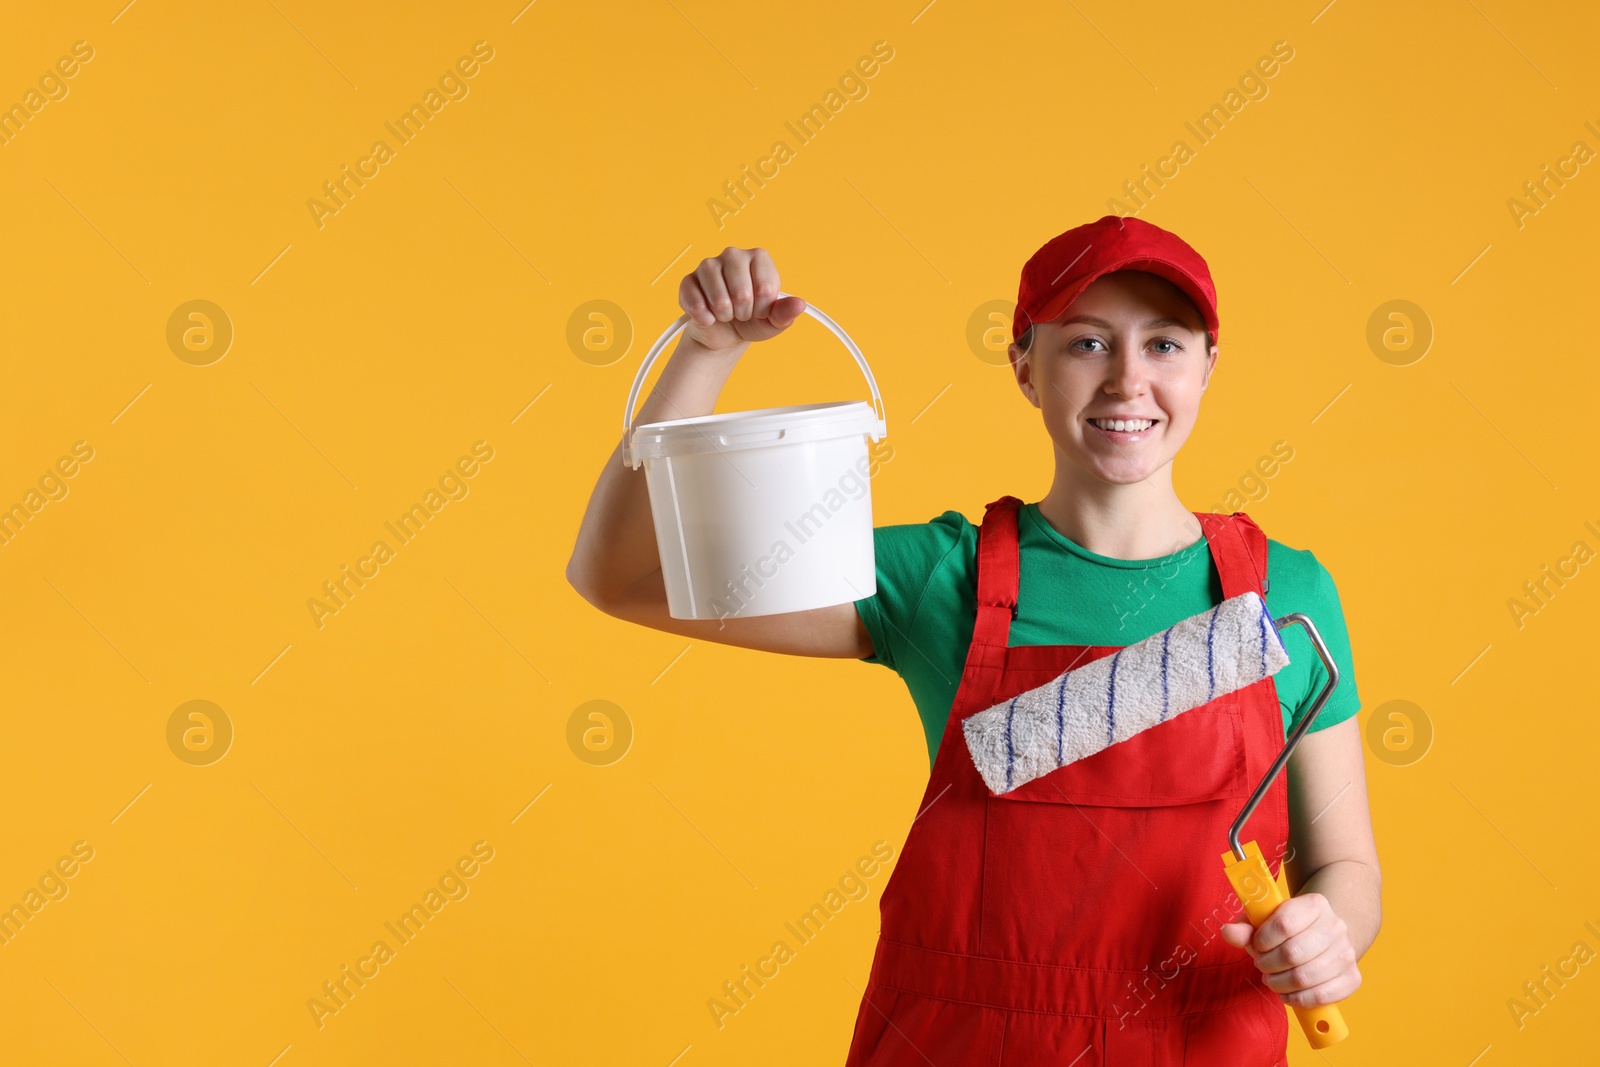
(732,299)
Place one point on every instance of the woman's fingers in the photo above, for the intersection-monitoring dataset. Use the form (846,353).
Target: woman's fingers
(732,298)
(764,277)
(1286,979)
(1309,959)
(693,300)
(736,277)
(710,276)
(1344,982)
(1298,949)
(1300,914)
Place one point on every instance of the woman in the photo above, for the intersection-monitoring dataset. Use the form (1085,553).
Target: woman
(1079,916)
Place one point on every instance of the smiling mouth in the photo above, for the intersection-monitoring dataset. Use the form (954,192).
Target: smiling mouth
(1132,429)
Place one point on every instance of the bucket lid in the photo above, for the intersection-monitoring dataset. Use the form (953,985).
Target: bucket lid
(734,431)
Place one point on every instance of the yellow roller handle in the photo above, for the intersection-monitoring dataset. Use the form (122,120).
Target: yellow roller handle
(1261,895)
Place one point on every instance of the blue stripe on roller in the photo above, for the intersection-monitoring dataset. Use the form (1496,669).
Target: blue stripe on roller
(1263,622)
(1166,701)
(1011,750)
(1111,703)
(1267,630)
(1211,672)
(1061,721)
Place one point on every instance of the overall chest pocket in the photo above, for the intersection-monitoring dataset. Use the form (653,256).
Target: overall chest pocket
(1111,860)
(1194,757)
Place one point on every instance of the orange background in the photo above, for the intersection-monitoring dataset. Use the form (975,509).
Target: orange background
(434,310)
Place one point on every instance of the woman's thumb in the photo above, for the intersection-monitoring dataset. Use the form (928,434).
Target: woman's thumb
(1238,935)
(785,310)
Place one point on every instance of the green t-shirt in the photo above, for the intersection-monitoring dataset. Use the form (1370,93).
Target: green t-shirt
(922,615)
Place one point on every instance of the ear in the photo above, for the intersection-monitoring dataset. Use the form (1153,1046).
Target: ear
(1211,365)
(1024,372)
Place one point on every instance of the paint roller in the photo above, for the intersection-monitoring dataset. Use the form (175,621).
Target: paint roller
(1090,708)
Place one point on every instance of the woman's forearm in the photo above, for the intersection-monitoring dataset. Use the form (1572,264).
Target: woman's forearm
(616,543)
(1355,893)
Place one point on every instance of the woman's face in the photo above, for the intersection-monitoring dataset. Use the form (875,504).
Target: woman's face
(1131,346)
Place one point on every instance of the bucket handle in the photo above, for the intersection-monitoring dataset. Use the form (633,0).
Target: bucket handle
(683,320)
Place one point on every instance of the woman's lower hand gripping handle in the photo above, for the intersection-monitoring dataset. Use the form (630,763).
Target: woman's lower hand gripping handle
(1304,950)
(1308,947)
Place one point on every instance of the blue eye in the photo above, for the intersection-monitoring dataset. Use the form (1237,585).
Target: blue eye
(1173,347)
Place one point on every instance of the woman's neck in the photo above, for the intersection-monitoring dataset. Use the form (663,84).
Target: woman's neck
(1140,520)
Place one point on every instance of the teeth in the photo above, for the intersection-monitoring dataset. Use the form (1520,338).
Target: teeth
(1134,425)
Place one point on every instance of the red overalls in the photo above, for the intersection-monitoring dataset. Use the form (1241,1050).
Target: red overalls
(1073,921)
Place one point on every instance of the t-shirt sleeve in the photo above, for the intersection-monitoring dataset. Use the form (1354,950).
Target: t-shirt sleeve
(1327,614)
(907,556)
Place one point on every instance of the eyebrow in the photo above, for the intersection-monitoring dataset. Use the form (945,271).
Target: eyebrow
(1152,324)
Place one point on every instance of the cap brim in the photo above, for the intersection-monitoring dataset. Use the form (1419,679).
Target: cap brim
(1057,305)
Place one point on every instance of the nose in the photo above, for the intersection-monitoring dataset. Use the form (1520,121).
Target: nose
(1125,373)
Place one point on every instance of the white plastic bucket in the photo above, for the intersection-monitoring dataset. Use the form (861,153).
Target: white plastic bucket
(760,512)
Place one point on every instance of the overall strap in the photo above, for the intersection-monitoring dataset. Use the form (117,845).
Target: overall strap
(999,572)
(1240,550)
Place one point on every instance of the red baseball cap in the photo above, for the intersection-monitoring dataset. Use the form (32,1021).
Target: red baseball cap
(1058,272)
